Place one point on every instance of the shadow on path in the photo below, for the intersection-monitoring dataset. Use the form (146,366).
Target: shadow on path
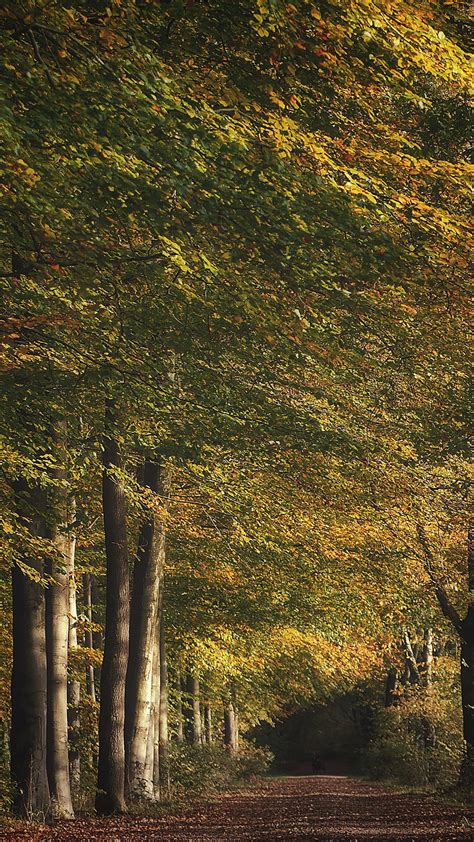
(291,808)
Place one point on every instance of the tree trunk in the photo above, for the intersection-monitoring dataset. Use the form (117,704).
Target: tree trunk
(89,636)
(230,735)
(154,733)
(57,641)
(29,681)
(57,633)
(237,729)
(194,719)
(427,669)
(467,691)
(208,724)
(150,752)
(391,687)
(164,772)
(74,686)
(465,631)
(179,709)
(143,629)
(411,665)
(111,772)
(203,726)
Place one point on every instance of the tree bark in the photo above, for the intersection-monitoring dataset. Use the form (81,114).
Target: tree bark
(164,772)
(74,686)
(111,772)
(230,735)
(203,726)
(467,674)
(195,719)
(89,635)
(143,630)
(237,730)
(57,642)
(391,686)
(179,709)
(208,724)
(427,669)
(467,694)
(411,664)
(29,680)
(154,732)
(57,636)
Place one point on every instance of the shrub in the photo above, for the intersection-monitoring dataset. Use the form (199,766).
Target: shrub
(419,741)
(195,770)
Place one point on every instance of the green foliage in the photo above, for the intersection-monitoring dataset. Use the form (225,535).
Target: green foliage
(248,223)
(86,746)
(419,741)
(207,769)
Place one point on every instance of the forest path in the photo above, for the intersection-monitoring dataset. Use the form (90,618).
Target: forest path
(294,808)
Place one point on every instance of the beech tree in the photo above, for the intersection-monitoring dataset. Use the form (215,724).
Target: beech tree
(29,683)
(57,642)
(144,642)
(111,769)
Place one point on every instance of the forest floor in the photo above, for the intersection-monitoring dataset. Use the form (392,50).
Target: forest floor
(293,808)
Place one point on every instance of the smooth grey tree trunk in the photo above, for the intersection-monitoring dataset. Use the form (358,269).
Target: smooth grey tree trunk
(179,709)
(411,667)
(89,636)
(230,730)
(208,724)
(29,680)
(143,631)
(153,740)
(110,796)
(57,642)
(427,670)
(193,711)
(203,726)
(154,736)
(74,686)
(57,634)
(164,771)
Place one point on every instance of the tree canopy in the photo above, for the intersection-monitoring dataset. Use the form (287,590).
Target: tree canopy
(246,225)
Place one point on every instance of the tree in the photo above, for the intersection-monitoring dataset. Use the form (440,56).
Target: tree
(29,684)
(111,771)
(57,641)
(464,628)
(144,621)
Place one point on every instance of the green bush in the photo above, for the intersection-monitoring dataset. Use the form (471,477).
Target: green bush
(419,741)
(253,761)
(195,770)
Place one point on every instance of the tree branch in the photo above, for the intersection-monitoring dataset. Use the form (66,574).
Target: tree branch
(410,656)
(445,603)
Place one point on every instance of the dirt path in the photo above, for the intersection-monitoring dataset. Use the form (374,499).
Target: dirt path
(293,808)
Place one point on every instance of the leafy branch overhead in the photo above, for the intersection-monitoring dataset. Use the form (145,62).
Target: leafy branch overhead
(234,258)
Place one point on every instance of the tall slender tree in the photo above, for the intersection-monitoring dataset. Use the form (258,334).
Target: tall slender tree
(111,771)
(57,642)
(164,770)
(29,678)
(147,579)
